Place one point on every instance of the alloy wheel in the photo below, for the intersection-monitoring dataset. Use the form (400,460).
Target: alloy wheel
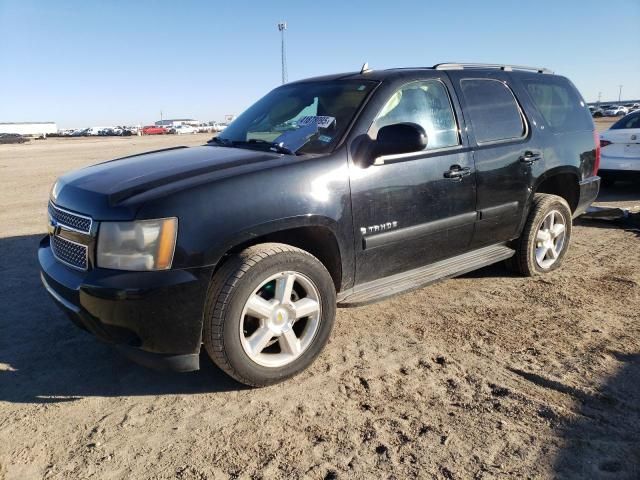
(550,239)
(280,319)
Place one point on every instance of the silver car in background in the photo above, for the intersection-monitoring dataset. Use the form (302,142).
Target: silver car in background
(616,111)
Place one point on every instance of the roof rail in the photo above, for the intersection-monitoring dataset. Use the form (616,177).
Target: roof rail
(506,68)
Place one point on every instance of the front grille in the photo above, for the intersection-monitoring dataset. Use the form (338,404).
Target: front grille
(73,220)
(71,253)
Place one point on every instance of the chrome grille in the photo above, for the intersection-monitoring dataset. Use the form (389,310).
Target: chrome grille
(71,253)
(74,221)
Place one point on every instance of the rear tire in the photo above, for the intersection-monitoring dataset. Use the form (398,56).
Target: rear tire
(545,238)
(269,313)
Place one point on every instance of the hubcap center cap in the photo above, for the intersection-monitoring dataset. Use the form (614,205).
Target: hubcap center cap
(281,316)
(280,320)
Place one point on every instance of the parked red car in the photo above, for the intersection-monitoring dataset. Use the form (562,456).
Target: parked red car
(153,130)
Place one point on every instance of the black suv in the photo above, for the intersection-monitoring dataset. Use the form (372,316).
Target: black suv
(344,189)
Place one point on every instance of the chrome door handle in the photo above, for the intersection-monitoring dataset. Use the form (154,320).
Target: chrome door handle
(529,157)
(456,172)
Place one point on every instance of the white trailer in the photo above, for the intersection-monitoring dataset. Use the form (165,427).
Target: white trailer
(30,129)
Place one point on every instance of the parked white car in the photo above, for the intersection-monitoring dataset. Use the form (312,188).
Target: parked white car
(616,111)
(93,131)
(185,129)
(620,150)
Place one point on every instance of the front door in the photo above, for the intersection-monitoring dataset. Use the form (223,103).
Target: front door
(413,209)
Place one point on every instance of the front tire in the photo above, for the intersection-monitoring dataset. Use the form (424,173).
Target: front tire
(545,238)
(269,313)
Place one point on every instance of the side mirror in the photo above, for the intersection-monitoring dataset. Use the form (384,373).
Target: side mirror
(400,138)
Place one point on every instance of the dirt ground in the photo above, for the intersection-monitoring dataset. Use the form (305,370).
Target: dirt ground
(485,376)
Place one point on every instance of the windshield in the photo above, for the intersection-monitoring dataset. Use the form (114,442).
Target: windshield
(307,117)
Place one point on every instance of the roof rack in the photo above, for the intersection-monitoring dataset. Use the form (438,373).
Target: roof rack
(506,68)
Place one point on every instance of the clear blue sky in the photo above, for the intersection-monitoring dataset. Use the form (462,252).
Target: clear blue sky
(83,63)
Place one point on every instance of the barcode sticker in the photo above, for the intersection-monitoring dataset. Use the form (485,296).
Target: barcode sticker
(321,121)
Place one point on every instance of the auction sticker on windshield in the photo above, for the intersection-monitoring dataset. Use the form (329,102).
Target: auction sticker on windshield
(322,121)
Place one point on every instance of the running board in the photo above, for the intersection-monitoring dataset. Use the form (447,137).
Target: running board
(420,277)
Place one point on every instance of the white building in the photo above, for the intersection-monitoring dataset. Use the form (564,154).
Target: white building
(35,129)
(177,121)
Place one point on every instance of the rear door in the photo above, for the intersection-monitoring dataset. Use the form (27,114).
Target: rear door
(413,209)
(504,150)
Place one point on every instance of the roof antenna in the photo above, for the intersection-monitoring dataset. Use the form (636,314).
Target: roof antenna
(365,68)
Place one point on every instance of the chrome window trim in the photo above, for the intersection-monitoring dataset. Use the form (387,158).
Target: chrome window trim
(523,117)
(421,154)
(68,212)
(86,253)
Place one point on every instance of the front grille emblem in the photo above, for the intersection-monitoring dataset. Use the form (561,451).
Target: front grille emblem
(53,228)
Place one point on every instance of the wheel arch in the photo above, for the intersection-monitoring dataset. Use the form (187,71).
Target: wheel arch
(561,181)
(314,234)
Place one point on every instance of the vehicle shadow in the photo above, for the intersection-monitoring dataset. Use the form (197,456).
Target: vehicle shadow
(496,270)
(44,358)
(628,224)
(619,192)
(603,442)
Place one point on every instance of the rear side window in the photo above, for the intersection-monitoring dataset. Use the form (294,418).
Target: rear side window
(559,103)
(630,121)
(493,110)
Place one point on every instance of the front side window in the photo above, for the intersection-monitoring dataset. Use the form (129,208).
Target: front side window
(427,104)
(493,110)
(308,117)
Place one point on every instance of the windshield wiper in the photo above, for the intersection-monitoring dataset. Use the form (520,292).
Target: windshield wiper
(273,146)
(220,141)
(276,147)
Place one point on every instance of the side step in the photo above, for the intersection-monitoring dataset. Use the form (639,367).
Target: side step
(420,277)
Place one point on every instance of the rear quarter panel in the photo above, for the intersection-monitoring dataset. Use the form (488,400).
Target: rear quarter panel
(571,150)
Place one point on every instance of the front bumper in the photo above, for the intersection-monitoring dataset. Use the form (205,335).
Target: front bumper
(154,318)
(588,192)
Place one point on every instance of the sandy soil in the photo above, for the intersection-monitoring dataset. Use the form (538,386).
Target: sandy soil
(484,376)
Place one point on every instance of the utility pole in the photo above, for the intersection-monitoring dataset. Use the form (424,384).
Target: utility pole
(282,26)
(620,92)
(160,117)
(599,97)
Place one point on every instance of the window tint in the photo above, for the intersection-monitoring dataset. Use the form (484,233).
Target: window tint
(630,121)
(493,110)
(427,104)
(559,103)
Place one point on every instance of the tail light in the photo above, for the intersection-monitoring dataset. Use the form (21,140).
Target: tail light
(599,143)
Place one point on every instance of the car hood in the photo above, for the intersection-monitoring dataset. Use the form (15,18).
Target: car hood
(106,190)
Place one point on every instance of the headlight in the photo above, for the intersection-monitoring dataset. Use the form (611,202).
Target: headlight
(55,189)
(139,245)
